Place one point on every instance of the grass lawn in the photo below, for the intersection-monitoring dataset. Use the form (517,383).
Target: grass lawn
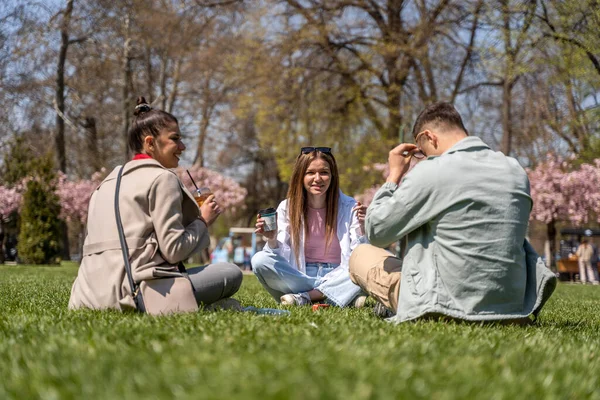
(49,352)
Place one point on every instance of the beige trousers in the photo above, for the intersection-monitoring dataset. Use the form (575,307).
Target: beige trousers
(377,272)
(586,268)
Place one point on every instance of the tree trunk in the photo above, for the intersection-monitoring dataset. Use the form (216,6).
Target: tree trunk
(164,61)
(506,142)
(59,139)
(577,127)
(199,160)
(395,122)
(507,130)
(208,105)
(125,90)
(551,233)
(94,157)
(2,234)
(395,82)
(175,84)
(149,75)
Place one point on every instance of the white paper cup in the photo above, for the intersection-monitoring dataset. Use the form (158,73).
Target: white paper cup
(269,215)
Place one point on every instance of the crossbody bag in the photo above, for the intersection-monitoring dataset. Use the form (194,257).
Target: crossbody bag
(155,296)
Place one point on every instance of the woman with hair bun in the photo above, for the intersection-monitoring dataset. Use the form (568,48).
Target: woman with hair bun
(162,226)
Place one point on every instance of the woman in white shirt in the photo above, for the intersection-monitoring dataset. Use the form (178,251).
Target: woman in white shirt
(306,258)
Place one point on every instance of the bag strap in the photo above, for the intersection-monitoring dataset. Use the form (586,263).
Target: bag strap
(135,292)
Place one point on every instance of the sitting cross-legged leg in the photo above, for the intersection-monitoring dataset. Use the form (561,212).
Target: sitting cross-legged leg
(377,272)
(278,277)
(339,289)
(214,282)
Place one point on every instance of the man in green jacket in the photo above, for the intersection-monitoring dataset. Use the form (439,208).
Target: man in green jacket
(464,211)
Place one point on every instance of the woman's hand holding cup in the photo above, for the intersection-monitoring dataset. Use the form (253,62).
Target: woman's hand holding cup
(210,210)
(266,225)
(260,228)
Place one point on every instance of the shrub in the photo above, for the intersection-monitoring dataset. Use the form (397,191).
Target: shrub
(39,238)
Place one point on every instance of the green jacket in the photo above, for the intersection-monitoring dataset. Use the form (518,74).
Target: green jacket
(466,214)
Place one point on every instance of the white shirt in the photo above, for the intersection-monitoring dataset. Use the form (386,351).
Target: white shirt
(348,233)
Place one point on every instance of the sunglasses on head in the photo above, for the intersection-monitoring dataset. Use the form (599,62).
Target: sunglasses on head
(309,149)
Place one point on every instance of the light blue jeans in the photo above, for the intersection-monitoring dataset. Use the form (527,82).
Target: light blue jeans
(278,277)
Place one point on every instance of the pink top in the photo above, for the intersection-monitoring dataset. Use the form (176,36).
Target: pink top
(314,245)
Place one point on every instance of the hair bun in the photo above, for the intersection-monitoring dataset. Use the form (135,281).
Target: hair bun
(142,106)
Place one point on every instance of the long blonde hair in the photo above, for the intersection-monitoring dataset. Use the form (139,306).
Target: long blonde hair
(297,198)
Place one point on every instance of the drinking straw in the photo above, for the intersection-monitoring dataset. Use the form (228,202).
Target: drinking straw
(192,179)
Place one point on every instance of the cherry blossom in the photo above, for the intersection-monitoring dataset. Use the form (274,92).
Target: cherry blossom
(75,197)
(229,194)
(10,200)
(563,193)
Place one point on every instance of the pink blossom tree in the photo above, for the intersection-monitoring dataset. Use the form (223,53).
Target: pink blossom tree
(583,193)
(561,193)
(549,200)
(10,200)
(75,194)
(74,197)
(229,194)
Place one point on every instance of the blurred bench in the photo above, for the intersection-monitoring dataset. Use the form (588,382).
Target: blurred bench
(568,267)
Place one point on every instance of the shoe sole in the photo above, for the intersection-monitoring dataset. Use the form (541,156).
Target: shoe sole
(360,302)
(285,301)
(382,311)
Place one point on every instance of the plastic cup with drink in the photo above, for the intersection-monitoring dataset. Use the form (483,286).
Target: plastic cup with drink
(269,215)
(201,194)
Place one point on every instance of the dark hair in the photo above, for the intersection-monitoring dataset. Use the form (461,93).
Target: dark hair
(146,121)
(440,115)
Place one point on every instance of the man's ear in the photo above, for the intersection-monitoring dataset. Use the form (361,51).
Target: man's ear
(434,139)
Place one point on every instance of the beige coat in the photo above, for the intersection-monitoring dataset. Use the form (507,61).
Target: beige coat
(161,225)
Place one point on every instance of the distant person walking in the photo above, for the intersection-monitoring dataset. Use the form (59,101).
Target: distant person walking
(585,252)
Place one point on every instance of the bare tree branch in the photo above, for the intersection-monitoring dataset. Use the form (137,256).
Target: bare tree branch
(559,37)
(469,53)
(478,85)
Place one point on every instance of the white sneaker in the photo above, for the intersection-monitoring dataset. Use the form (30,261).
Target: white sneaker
(292,299)
(360,301)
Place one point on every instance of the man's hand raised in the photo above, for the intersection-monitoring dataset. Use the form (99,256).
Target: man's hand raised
(399,160)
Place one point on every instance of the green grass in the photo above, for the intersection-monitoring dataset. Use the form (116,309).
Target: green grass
(49,352)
